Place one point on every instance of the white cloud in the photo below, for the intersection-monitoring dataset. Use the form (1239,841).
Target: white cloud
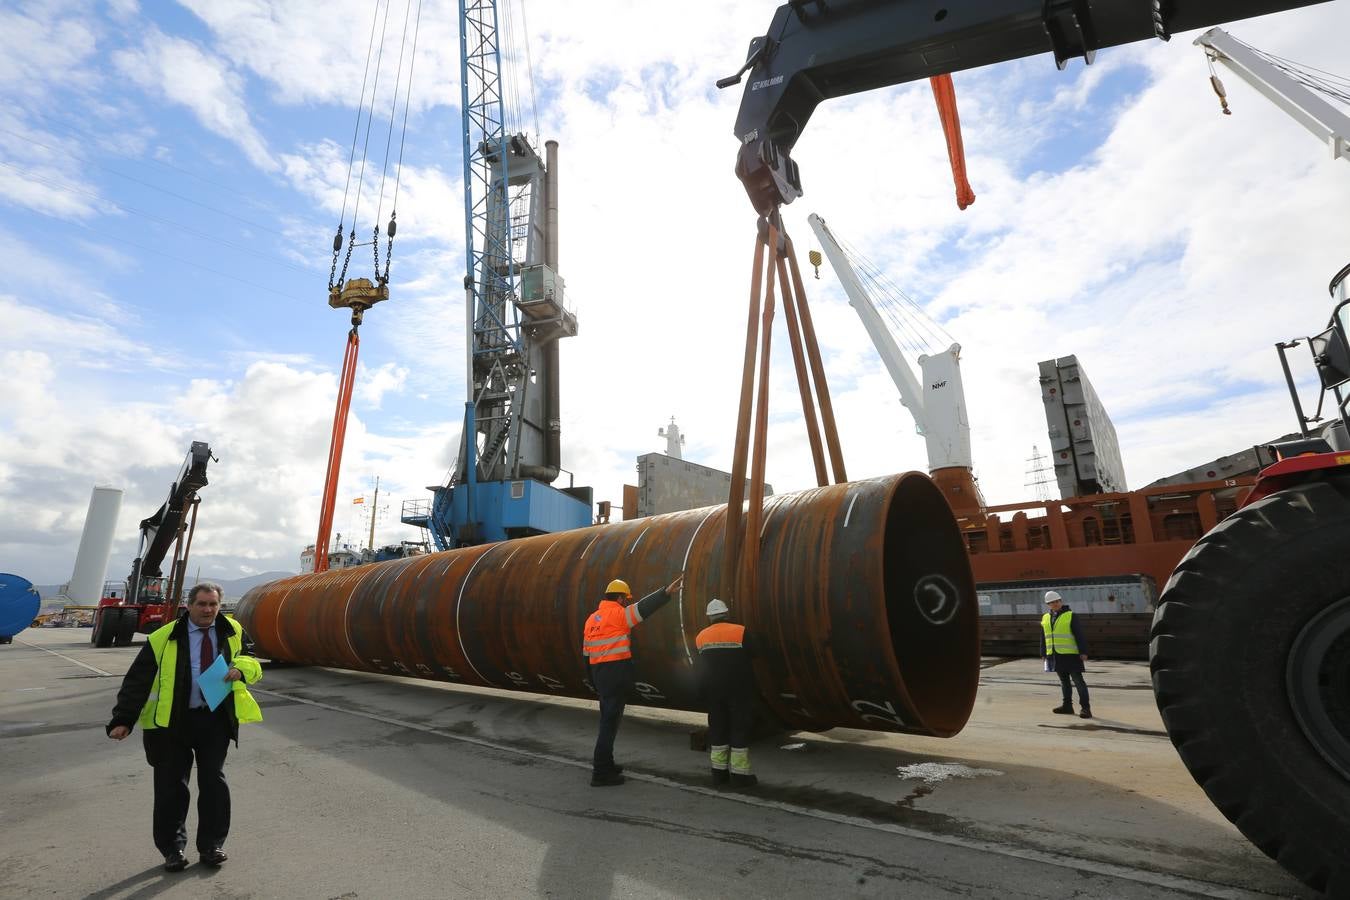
(45,47)
(373,384)
(315,50)
(204,83)
(1168,249)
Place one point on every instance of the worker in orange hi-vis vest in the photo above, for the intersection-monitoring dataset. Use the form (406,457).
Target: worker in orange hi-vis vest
(727,684)
(608,648)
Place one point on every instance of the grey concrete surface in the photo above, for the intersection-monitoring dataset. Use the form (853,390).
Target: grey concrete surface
(370,786)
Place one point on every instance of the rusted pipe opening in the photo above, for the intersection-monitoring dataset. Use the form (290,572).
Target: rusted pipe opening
(930,610)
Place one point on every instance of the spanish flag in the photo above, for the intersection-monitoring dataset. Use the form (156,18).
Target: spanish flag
(358,501)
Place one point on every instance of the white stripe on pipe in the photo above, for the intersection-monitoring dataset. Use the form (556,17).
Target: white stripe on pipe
(684,567)
(459,632)
(639,540)
(848,515)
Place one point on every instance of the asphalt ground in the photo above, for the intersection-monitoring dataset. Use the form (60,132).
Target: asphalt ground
(369,786)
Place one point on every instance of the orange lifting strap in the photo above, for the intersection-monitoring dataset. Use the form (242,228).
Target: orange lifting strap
(945,95)
(779,280)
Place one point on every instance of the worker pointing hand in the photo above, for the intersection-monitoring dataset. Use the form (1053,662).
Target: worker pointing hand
(607,646)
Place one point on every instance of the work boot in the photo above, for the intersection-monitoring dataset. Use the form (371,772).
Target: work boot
(606,779)
(1086,713)
(721,776)
(743,781)
(1065,710)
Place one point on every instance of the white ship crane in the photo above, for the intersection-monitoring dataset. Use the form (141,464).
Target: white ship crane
(937,400)
(1293,88)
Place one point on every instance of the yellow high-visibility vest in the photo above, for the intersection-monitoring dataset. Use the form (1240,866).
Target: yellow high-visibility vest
(1059,637)
(159,705)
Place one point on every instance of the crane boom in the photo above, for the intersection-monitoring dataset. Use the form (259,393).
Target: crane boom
(814,51)
(159,531)
(938,404)
(1326,122)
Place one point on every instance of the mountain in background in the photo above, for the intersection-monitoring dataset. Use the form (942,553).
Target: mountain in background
(235,588)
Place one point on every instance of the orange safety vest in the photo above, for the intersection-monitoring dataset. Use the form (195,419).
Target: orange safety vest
(721,636)
(606,637)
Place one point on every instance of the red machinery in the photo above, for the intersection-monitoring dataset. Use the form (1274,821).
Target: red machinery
(152,597)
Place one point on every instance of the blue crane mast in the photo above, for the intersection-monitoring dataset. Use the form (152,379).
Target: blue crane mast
(510,448)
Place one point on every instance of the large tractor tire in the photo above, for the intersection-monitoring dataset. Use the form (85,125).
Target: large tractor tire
(126,627)
(1250,655)
(105,627)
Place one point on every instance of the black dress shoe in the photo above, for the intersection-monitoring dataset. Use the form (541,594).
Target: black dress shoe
(175,862)
(606,779)
(1086,713)
(215,858)
(1065,710)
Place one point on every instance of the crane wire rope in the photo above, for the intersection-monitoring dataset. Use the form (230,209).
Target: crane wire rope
(1327,83)
(388,143)
(365,147)
(351,159)
(511,111)
(529,67)
(403,135)
(917,331)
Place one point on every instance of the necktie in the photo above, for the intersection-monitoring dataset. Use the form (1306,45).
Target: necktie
(208,652)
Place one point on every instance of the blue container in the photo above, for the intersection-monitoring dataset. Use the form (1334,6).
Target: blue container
(19,602)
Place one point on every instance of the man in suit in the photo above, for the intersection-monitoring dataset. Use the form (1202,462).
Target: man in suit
(163,692)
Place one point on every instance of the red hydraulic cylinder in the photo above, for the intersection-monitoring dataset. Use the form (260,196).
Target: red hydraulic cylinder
(866,614)
(330,484)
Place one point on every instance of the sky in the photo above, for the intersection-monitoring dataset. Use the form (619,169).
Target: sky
(171,175)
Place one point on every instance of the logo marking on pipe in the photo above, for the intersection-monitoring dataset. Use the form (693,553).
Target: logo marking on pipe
(936,598)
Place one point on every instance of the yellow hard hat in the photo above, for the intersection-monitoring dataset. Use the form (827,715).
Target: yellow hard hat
(618,586)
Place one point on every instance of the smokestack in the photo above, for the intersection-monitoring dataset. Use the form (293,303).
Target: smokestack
(551,205)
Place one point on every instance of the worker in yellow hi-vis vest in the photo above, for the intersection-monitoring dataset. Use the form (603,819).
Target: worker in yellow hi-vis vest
(1065,653)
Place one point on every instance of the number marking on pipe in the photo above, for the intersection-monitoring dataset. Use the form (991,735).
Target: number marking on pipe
(552,684)
(649,692)
(884,712)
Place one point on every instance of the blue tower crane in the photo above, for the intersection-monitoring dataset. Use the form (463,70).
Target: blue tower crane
(510,450)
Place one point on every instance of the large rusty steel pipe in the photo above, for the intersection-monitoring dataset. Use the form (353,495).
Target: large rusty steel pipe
(866,615)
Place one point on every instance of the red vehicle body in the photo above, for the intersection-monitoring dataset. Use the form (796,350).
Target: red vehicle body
(152,598)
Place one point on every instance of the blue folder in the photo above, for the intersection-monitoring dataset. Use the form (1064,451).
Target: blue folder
(213,684)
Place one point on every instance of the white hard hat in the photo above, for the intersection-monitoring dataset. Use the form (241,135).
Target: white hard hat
(717,608)
(1052,596)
